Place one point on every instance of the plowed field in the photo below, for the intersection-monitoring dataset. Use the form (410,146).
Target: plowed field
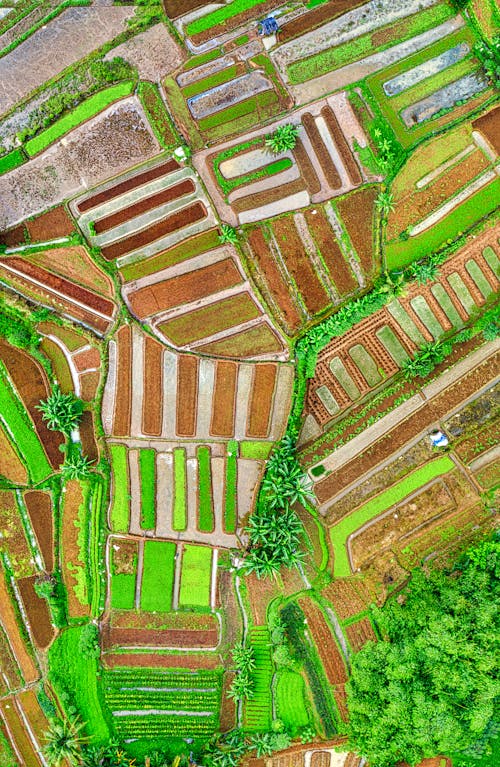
(224,399)
(39,508)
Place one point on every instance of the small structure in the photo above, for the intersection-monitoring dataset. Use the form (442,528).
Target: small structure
(268,26)
(438,439)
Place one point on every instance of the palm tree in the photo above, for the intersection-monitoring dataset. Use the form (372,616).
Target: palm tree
(425,271)
(385,202)
(61,411)
(228,234)
(63,742)
(283,139)
(76,466)
(393,283)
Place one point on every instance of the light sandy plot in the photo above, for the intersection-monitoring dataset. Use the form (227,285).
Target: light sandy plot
(154,52)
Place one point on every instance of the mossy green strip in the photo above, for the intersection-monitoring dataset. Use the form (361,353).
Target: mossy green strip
(147,467)
(179,521)
(120,506)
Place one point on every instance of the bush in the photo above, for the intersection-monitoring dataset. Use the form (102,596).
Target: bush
(89,641)
(283,139)
(61,411)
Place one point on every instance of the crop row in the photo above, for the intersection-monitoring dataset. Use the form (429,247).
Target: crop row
(155,725)
(159,678)
(145,699)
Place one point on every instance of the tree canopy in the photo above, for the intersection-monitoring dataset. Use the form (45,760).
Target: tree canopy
(431,685)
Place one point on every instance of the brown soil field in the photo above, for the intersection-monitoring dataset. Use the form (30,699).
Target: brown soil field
(17,728)
(87,359)
(419,203)
(360,633)
(10,464)
(87,435)
(348,597)
(59,364)
(481,441)
(39,506)
(323,235)
(61,285)
(314,18)
(31,384)
(235,21)
(51,225)
(123,403)
(489,125)
(37,611)
(228,705)
(224,399)
(16,640)
(299,266)
(187,395)
(88,384)
(274,281)
(261,400)
(70,338)
(127,185)
(13,237)
(260,592)
(326,162)
(267,197)
(259,339)
(210,319)
(11,678)
(14,536)
(73,498)
(428,414)
(152,402)
(147,203)
(320,759)
(75,264)
(161,621)
(125,557)
(343,147)
(326,645)
(175,8)
(340,696)
(174,222)
(186,288)
(488,475)
(115,637)
(306,168)
(155,660)
(357,210)
(37,719)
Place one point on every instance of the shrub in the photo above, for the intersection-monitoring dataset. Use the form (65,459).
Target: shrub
(283,139)
(89,641)
(228,234)
(61,411)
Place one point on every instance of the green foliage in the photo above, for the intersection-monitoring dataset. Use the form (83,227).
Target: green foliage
(63,742)
(180,515)
(147,13)
(425,271)
(120,503)
(158,576)
(430,686)
(385,202)
(426,359)
(291,702)
(11,161)
(489,55)
(157,114)
(243,683)
(16,328)
(44,587)
(147,457)
(228,234)
(76,466)
(195,576)
(220,15)
(283,139)
(206,520)
(265,743)
(61,411)
(230,511)
(88,644)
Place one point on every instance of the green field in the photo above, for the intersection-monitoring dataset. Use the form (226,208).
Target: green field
(291,705)
(11,161)
(84,111)
(74,678)
(157,115)
(158,576)
(148,486)
(206,519)
(123,591)
(187,249)
(340,532)
(120,509)
(258,709)
(21,431)
(230,508)
(195,576)
(179,522)
(258,451)
(220,15)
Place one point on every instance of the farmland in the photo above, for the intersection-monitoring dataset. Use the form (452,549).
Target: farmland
(249,394)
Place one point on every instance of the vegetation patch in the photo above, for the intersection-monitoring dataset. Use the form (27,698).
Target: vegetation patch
(120,503)
(158,576)
(147,458)
(11,161)
(206,520)
(195,576)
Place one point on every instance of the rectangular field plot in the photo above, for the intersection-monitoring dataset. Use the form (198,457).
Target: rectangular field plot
(147,469)
(195,576)
(120,505)
(158,576)
(291,700)
(257,717)
(151,702)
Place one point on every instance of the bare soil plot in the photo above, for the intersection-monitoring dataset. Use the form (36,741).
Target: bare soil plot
(39,506)
(175,8)
(123,402)
(360,633)
(76,265)
(89,383)
(348,597)
(17,729)
(489,126)
(326,645)
(314,18)
(187,393)
(267,197)
(256,341)
(306,168)
(14,237)
(37,611)
(260,592)
(21,648)
(358,213)
(185,638)
(260,403)
(10,670)
(322,153)
(51,225)
(224,399)
(341,143)
(87,436)
(154,52)
(156,660)
(152,405)
(11,466)
(322,233)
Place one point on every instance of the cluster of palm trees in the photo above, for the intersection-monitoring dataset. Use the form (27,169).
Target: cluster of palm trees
(63,412)
(283,139)
(243,683)
(275,531)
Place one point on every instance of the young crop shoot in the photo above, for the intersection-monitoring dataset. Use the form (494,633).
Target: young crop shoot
(61,411)
(283,139)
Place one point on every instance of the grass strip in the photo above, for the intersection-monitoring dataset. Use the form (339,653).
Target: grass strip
(84,111)
(158,576)
(256,451)
(179,521)
(340,532)
(194,246)
(95,527)
(290,701)
(230,516)
(249,107)
(206,520)
(21,431)
(203,58)
(326,61)
(12,160)
(123,591)
(206,83)
(157,115)
(220,16)
(195,576)
(120,506)
(278,166)
(147,467)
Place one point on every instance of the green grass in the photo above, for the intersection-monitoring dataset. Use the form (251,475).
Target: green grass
(206,520)
(158,576)
(179,253)
(230,509)
(258,709)
(479,278)
(148,486)
(326,61)
(157,114)
(180,514)
(75,681)
(221,15)
(123,591)
(278,166)
(291,705)
(195,576)
(340,532)
(120,504)
(178,107)
(399,253)
(258,451)
(12,160)
(21,431)
(203,58)
(206,83)
(84,111)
